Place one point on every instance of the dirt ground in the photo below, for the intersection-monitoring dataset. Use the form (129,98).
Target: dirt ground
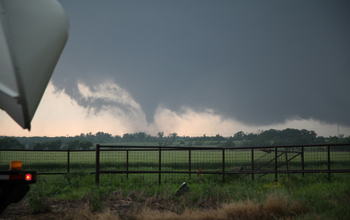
(137,206)
(124,207)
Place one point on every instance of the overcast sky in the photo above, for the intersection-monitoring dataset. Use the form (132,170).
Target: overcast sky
(199,67)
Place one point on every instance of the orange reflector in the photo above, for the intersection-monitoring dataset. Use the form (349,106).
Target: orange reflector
(16,165)
(28,177)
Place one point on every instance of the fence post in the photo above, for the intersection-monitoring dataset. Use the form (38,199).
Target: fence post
(223,165)
(287,163)
(329,163)
(302,160)
(127,165)
(252,163)
(68,160)
(97,172)
(160,164)
(189,163)
(276,164)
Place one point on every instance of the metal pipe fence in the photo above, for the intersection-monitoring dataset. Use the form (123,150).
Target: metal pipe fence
(183,163)
(193,162)
(50,162)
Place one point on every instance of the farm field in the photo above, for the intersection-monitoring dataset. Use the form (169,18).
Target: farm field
(206,158)
(74,196)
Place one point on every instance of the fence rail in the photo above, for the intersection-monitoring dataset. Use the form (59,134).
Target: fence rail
(184,163)
(273,160)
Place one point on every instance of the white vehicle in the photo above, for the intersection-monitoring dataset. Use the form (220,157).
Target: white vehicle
(33,34)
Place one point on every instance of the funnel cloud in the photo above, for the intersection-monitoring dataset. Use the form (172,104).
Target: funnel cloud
(258,62)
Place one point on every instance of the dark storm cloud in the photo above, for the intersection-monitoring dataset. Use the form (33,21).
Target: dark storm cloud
(260,62)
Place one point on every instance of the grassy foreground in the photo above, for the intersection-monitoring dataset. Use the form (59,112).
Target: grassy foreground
(311,197)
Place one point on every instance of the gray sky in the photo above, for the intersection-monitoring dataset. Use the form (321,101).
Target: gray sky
(258,62)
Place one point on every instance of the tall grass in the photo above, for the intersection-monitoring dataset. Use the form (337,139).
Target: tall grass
(311,197)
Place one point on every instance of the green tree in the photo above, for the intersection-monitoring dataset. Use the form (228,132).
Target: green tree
(54,145)
(250,136)
(64,147)
(239,136)
(10,143)
(333,140)
(229,142)
(90,136)
(173,136)
(320,140)
(39,146)
(102,137)
(140,136)
(117,138)
(128,137)
(218,137)
(160,138)
(73,145)
(85,145)
(160,135)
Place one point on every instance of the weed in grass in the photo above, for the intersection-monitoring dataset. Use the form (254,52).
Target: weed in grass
(139,199)
(38,202)
(95,204)
(274,184)
(72,196)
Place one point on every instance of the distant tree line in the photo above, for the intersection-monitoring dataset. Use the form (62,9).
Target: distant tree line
(287,136)
(86,141)
(57,145)
(10,143)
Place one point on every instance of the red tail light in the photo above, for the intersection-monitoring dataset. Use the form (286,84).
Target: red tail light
(28,177)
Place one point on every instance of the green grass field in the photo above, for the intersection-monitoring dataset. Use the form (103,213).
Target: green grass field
(292,197)
(311,197)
